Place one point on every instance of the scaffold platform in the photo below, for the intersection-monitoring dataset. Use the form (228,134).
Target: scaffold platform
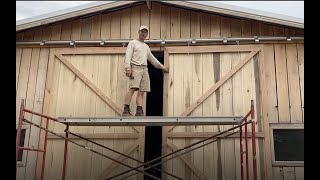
(150,121)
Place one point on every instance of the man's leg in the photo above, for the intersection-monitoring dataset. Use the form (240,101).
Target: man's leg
(128,97)
(127,101)
(144,87)
(139,111)
(140,98)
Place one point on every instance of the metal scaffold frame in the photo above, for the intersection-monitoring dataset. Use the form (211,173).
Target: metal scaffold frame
(140,168)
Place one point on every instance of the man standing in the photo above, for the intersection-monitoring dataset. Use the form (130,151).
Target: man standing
(136,69)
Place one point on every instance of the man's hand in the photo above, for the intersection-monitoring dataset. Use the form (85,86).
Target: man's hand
(165,69)
(128,72)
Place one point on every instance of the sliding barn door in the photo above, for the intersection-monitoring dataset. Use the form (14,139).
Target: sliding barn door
(208,81)
(89,82)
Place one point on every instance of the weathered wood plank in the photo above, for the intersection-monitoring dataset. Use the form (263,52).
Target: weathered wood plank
(299,173)
(195,24)
(205,30)
(115,25)
(19,35)
(37,107)
(175,23)
(215,26)
(185,23)
(145,18)
(66,31)
(288,173)
(38,34)
(270,80)
(96,28)
(155,15)
(18,62)
(76,29)
(187,68)
(179,99)
(28,35)
(50,103)
(235,27)
(289,32)
(237,108)
(256,28)
(168,166)
(56,32)
(135,22)
(227,145)
(300,48)
(278,31)
(30,94)
(46,35)
(278,173)
(282,83)
(266,30)
(86,28)
(209,151)
(293,84)
(106,26)
(197,92)
(225,27)
(122,88)
(245,28)
(125,24)
(23,78)
(107,82)
(264,118)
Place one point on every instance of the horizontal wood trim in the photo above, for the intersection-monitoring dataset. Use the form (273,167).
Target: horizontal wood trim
(286,126)
(288,163)
(208,49)
(91,50)
(160,47)
(99,136)
(208,134)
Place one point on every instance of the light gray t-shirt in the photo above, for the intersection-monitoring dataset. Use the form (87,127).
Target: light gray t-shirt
(138,52)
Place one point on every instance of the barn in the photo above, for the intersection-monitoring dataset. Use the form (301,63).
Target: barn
(70,63)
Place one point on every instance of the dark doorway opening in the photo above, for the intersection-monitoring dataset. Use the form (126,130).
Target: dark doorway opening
(153,134)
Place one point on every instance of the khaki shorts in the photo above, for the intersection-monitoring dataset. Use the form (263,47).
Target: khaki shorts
(140,79)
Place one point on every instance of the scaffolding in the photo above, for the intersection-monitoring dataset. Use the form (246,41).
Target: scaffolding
(239,122)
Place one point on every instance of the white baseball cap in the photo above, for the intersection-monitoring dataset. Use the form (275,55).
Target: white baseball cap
(143,27)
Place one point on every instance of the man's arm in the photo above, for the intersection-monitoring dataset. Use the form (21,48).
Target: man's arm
(128,57)
(154,61)
(127,66)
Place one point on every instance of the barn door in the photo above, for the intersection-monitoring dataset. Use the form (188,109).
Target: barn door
(90,82)
(207,81)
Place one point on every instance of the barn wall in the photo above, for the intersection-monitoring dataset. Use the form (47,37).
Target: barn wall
(284,63)
(31,72)
(284,75)
(165,22)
